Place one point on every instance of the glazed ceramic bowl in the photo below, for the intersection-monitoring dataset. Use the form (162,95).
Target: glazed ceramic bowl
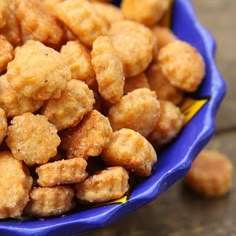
(173,162)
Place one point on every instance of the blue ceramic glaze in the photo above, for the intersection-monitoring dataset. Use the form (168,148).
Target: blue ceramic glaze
(173,162)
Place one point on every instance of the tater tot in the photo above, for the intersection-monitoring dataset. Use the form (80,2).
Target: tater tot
(32,139)
(89,137)
(161,85)
(182,65)
(138,110)
(3,125)
(78,59)
(35,21)
(52,201)
(13,103)
(15,186)
(109,184)
(62,172)
(135,82)
(147,12)
(168,124)
(6,53)
(211,174)
(108,69)
(38,71)
(68,110)
(131,150)
(82,19)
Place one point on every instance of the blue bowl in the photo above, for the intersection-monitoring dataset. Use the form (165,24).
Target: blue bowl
(173,162)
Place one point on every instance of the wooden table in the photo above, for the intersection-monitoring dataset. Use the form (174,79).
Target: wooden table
(178,212)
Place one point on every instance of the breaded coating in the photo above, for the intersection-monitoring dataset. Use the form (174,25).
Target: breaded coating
(168,125)
(3,12)
(134,44)
(38,71)
(52,201)
(108,69)
(161,85)
(68,110)
(6,53)
(14,103)
(147,12)
(32,139)
(105,1)
(49,5)
(3,125)
(15,186)
(82,19)
(211,174)
(138,110)
(78,59)
(131,150)
(110,13)
(89,137)
(182,65)
(106,185)
(35,21)
(135,82)
(62,172)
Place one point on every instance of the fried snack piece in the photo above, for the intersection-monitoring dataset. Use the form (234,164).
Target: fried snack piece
(211,174)
(138,110)
(110,13)
(182,65)
(160,84)
(89,137)
(6,53)
(68,110)
(143,11)
(105,1)
(108,70)
(3,12)
(32,139)
(49,5)
(52,201)
(62,172)
(35,21)
(78,59)
(135,82)
(168,124)
(15,186)
(13,103)
(3,125)
(109,184)
(134,44)
(131,150)
(38,71)
(82,19)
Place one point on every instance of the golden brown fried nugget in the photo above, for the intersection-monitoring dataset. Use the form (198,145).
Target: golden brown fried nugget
(108,69)
(38,71)
(3,125)
(182,65)
(131,150)
(138,110)
(49,5)
(68,110)
(3,12)
(32,139)
(161,85)
(168,124)
(89,137)
(82,19)
(50,201)
(62,172)
(109,184)
(135,82)
(14,103)
(147,12)
(211,174)
(36,23)
(78,59)
(15,186)
(6,53)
